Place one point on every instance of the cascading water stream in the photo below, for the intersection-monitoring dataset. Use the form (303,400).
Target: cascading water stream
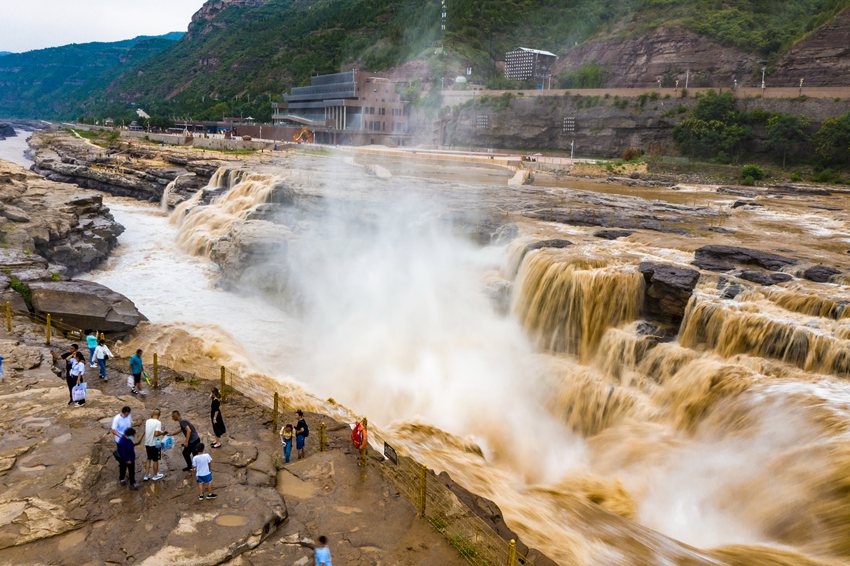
(586,444)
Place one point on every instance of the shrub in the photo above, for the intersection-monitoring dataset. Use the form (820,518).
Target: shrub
(795,176)
(683,93)
(753,172)
(631,153)
(22,289)
(827,176)
(748,181)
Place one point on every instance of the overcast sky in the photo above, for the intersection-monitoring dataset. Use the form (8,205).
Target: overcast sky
(34,24)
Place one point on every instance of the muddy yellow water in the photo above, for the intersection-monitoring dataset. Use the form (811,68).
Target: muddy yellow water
(723,442)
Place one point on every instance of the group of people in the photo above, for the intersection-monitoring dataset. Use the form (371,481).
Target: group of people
(297,434)
(75,364)
(156,439)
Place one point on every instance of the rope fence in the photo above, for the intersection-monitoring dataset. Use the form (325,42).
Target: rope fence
(473,538)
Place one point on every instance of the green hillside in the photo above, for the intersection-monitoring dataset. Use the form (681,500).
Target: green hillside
(55,82)
(245,56)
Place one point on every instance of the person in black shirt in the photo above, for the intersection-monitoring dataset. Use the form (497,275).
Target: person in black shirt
(301,433)
(191,440)
(215,416)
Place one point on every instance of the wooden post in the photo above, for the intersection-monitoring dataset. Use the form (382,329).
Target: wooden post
(274,414)
(155,370)
(423,479)
(223,384)
(512,553)
(9,316)
(322,437)
(47,330)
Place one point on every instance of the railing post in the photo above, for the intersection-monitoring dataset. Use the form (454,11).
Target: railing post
(155,370)
(423,485)
(47,330)
(365,441)
(223,387)
(9,316)
(322,438)
(512,553)
(274,415)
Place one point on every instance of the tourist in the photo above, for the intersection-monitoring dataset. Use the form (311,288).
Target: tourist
(201,462)
(287,435)
(127,458)
(136,368)
(121,422)
(78,370)
(215,416)
(191,440)
(68,357)
(153,452)
(322,552)
(101,354)
(301,433)
(91,341)
(71,380)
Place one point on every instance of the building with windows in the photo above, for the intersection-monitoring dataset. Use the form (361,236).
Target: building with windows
(352,107)
(523,64)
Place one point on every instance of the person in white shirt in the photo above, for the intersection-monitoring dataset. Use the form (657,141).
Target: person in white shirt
(101,354)
(201,462)
(121,422)
(78,370)
(153,430)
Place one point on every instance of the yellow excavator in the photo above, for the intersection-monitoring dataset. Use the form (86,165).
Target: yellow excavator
(303,136)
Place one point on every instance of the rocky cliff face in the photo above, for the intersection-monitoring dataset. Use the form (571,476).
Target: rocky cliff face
(664,53)
(204,19)
(822,58)
(604,127)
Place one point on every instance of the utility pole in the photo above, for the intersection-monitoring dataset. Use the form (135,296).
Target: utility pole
(762,81)
(801,86)
(687,76)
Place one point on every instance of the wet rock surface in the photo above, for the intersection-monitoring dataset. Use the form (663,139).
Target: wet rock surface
(85,305)
(725,258)
(764,278)
(668,289)
(612,234)
(820,273)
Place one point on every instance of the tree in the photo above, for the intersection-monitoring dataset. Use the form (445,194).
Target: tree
(786,135)
(832,141)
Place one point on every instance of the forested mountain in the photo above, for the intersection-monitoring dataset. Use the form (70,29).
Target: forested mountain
(57,82)
(240,55)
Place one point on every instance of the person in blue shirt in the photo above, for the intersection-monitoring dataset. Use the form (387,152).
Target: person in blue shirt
(323,553)
(127,458)
(91,342)
(136,368)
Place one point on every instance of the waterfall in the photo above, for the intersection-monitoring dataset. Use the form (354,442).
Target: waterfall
(566,303)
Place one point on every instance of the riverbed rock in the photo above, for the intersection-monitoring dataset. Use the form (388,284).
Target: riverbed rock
(668,290)
(85,305)
(764,278)
(612,234)
(6,130)
(820,273)
(725,258)
(554,243)
(253,251)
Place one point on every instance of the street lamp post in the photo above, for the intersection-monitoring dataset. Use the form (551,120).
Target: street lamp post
(762,81)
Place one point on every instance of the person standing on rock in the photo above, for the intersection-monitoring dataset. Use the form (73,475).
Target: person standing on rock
(201,462)
(127,458)
(78,370)
(136,368)
(302,431)
(287,435)
(68,358)
(101,354)
(153,430)
(120,423)
(91,341)
(191,440)
(322,552)
(215,416)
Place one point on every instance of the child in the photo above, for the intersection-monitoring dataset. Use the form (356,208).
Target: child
(127,457)
(323,553)
(287,434)
(201,462)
